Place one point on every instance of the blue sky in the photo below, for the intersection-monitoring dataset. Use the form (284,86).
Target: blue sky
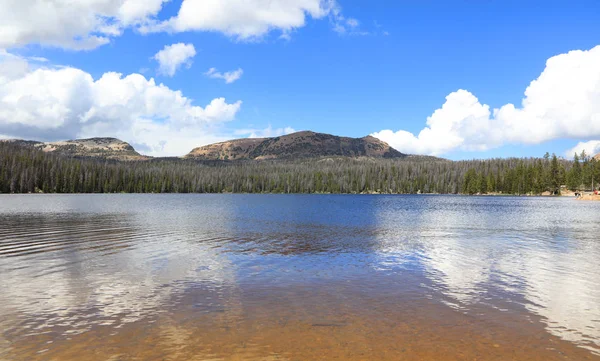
(389,72)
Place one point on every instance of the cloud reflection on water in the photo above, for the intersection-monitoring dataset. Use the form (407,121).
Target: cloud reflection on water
(542,254)
(124,258)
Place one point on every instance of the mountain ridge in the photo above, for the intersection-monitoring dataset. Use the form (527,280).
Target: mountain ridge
(99,147)
(298,145)
(304,144)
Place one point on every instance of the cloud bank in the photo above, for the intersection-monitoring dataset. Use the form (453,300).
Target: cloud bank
(79,25)
(87,24)
(244,20)
(563,102)
(65,103)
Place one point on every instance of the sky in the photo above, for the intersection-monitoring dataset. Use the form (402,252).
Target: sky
(456,79)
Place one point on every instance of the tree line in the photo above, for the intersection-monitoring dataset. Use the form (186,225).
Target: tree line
(536,176)
(28,170)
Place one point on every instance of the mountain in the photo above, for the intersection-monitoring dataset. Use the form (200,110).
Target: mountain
(110,148)
(304,144)
(298,145)
(597,156)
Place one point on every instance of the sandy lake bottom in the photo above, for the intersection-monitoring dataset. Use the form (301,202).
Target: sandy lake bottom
(294,277)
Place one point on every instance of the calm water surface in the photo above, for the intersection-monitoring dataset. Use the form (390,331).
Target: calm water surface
(293,277)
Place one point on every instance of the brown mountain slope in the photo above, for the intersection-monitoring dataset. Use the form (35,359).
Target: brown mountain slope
(297,145)
(110,148)
(597,156)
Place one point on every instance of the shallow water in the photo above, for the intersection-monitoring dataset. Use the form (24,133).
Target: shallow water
(298,277)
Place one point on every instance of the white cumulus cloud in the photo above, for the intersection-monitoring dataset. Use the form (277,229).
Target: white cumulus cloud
(460,123)
(591,148)
(81,24)
(12,66)
(172,57)
(87,24)
(563,102)
(229,76)
(245,19)
(65,103)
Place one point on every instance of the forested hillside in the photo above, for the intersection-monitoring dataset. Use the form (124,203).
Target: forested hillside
(26,169)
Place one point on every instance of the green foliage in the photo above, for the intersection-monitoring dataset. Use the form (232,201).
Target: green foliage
(574,177)
(471,183)
(26,169)
(515,176)
(555,176)
(584,173)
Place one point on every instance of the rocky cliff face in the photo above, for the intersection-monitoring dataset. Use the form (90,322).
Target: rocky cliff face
(293,146)
(297,145)
(110,148)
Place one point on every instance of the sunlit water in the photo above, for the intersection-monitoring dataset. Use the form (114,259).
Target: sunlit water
(298,277)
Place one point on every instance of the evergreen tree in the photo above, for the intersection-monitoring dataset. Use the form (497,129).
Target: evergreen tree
(27,169)
(554,176)
(574,175)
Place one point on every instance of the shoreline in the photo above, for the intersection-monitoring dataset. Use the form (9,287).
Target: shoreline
(328,193)
(589,197)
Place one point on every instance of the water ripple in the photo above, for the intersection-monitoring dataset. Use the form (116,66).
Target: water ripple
(73,265)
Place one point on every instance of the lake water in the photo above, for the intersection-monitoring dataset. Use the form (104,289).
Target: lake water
(298,277)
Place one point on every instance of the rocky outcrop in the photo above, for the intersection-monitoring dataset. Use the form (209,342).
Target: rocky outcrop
(109,148)
(297,145)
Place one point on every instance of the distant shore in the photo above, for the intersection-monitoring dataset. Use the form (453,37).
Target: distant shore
(589,197)
(543,195)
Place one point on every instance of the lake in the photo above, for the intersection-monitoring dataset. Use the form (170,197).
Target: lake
(298,277)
